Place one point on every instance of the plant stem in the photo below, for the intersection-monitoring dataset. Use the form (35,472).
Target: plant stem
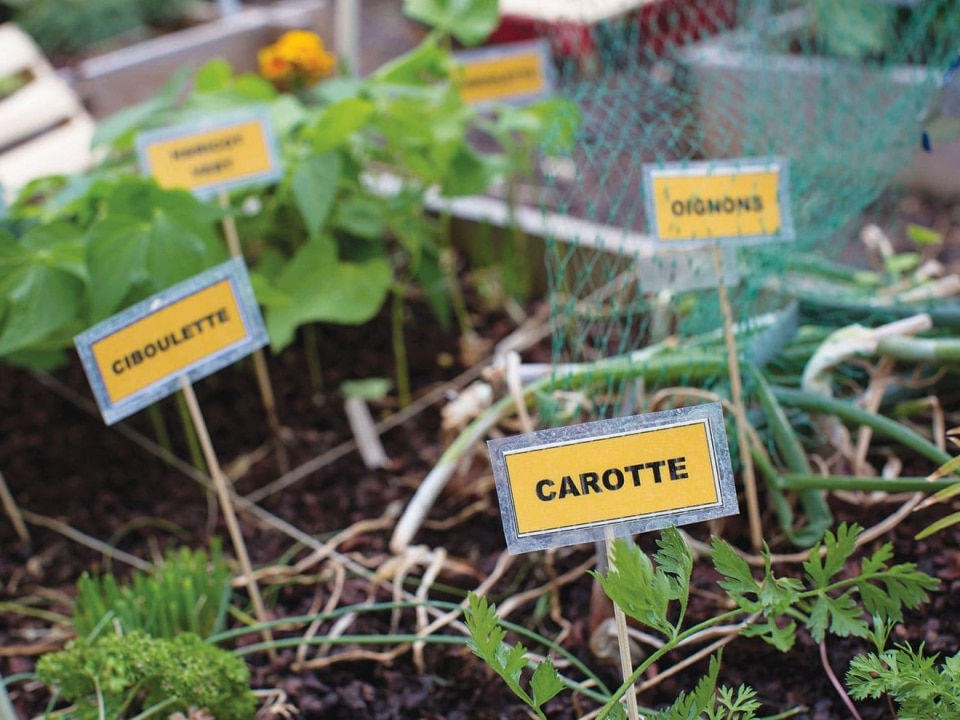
(848,412)
(448,265)
(160,431)
(401,364)
(312,353)
(837,685)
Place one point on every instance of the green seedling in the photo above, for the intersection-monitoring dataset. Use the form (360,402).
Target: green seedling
(188,592)
(830,599)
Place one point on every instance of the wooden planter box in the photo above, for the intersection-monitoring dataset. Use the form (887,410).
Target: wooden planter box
(836,120)
(115,80)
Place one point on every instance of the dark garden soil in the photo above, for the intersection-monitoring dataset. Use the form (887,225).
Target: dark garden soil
(63,464)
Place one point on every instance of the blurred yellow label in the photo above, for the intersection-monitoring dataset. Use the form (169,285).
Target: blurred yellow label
(589,482)
(211,157)
(503,78)
(169,340)
(721,203)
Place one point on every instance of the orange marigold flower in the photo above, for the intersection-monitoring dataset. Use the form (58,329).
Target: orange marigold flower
(273,66)
(297,57)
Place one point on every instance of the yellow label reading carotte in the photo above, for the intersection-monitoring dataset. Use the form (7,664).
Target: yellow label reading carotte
(600,480)
(211,157)
(169,340)
(719,203)
(502,78)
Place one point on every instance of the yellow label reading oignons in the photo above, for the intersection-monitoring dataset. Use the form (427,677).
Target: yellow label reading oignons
(719,204)
(169,340)
(652,472)
(502,78)
(211,157)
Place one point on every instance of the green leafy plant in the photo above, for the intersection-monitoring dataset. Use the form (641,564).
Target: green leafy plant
(133,674)
(188,592)
(828,599)
(921,689)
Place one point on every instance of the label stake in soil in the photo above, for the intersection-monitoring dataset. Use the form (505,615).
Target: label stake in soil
(739,202)
(259,360)
(207,158)
(225,497)
(166,342)
(623,640)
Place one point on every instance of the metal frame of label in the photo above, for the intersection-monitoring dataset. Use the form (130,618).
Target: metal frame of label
(710,414)
(256,337)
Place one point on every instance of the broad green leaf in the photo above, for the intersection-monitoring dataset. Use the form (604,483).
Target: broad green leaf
(60,245)
(286,114)
(217,74)
(174,253)
(338,122)
(361,217)
(268,294)
(425,63)
(39,299)
(468,173)
(117,258)
(469,21)
(314,186)
(255,88)
(324,289)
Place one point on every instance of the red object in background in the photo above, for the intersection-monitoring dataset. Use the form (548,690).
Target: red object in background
(663,24)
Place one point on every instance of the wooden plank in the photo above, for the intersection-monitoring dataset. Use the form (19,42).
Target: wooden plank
(20,53)
(61,151)
(35,108)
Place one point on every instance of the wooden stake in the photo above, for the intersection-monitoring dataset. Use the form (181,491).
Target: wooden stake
(739,413)
(220,484)
(623,640)
(259,360)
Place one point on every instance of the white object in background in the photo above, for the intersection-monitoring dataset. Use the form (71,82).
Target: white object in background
(346,33)
(44,128)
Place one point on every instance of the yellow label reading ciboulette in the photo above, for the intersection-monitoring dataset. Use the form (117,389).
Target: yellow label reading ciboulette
(502,77)
(589,482)
(169,340)
(717,204)
(210,157)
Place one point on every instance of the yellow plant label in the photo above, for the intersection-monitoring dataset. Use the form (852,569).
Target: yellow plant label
(169,340)
(192,329)
(718,201)
(219,152)
(505,73)
(642,472)
(215,157)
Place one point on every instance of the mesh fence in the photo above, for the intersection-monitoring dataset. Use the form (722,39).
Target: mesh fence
(836,89)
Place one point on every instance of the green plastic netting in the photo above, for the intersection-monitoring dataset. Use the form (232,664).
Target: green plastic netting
(835,88)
